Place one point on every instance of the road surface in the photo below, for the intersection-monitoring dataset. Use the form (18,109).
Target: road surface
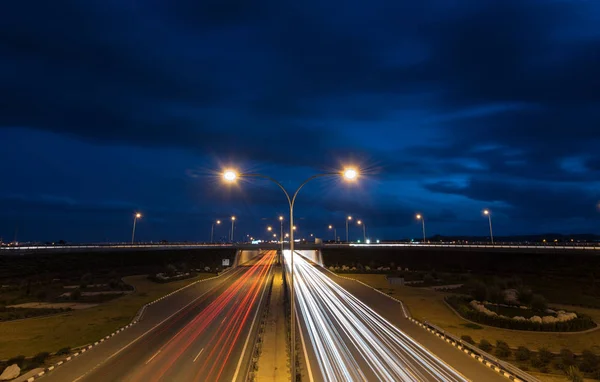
(345,339)
(210,339)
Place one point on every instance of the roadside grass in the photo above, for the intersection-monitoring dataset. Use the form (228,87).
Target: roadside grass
(428,305)
(80,327)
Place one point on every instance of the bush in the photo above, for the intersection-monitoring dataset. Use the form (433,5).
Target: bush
(567,359)
(64,351)
(39,358)
(545,356)
(485,345)
(525,295)
(170,270)
(573,374)
(76,294)
(496,295)
(478,290)
(536,361)
(538,302)
(41,295)
(590,362)
(19,360)
(502,349)
(461,305)
(467,339)
(522,354)
(86,280)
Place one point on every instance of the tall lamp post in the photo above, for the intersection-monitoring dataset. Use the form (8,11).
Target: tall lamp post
(347,220)
(136,216)
(281,233)
(334,232)
(212,230)
(489,215)
(364,226)
(422,219)
(348,174)
(232,227)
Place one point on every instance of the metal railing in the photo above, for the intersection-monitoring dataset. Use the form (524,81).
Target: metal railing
(488,357)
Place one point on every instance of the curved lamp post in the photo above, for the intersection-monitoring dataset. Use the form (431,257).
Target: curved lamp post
(135,218)
(212,230)
(348,174)
(347,220)
(422,219)
(364,226)
(489,215)
(232,227)
(334,233)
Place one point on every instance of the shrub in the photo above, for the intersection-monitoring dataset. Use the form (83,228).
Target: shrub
(567,359)
(86,280)
(478,290)
(41,295)
(525,295)
(590,362)
(545,356)
(485,345)
(39,358)
(64,351)
(522,354)
(538,302)
(170,270)
(75,294)
(573,374)
(502,349)
(496,295)
(428,278)
(18,360)
(536,361)
(467,339)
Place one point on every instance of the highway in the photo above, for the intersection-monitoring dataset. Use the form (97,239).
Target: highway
(346,340)
(209,338)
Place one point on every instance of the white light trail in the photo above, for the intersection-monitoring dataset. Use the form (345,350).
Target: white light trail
(354,343)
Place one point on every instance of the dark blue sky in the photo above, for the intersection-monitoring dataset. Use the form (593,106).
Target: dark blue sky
(113,106)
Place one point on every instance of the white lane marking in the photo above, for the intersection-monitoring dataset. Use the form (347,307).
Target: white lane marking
(149,330)
(151,358)
(309,369)
(198,354)
(239,365)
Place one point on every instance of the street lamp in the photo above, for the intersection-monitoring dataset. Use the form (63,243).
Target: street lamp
(360,222)
(334,233)
(422,219)
(232,226)
(281,233)
(489,215)
(349,174)
(347,220)
(136,216)
(212,230)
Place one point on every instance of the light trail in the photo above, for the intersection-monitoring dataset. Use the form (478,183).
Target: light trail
(235,303)
(354,343)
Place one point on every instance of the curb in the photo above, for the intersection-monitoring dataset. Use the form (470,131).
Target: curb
(78,353)
(135,320)
(479,356)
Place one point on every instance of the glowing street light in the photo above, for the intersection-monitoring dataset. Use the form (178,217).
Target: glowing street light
(489,215)
(269,228)
(136,216)
(232,225)
(212,230)
(349,174)
(281,234)
(364,226)
(347,220)
(422,219)
(334,232)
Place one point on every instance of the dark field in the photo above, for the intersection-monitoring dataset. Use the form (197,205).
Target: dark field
(71,265)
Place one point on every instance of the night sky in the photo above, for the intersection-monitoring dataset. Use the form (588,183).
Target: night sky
(108,107)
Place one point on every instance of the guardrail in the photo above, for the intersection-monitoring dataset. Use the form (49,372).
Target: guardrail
(515,371)
(488,246)
(111,246)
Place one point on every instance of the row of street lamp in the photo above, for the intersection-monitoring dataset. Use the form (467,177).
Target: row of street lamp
(420,217)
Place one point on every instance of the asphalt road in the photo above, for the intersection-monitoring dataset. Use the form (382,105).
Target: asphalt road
(346,338)
(203,333)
